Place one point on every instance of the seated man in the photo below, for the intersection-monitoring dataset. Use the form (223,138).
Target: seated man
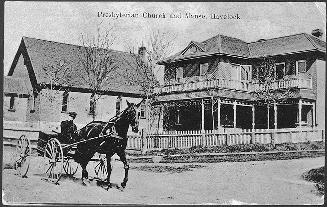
(68,129)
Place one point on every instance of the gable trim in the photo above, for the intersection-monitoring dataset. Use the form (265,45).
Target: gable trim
(27,62)
(192,44)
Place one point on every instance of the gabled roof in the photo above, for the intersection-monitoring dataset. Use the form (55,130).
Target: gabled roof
(219,44)
(222,44)
(16,86)
(44,54)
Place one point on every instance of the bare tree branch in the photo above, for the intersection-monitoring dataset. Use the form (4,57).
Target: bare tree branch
(97,60)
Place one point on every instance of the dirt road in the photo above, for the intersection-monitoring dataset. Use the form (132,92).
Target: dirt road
(257,182)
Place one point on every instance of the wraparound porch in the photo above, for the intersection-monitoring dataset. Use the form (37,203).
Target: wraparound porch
(218,113)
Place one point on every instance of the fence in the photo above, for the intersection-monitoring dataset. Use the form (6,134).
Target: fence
(187,139)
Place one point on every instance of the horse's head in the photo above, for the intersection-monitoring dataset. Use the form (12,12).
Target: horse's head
(131,113)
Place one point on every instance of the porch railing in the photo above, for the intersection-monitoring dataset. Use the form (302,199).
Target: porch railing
(286,83)
(201,84)
(187,139)
(207,84)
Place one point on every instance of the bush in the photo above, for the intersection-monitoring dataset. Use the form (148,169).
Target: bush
(242,148)
(317,176)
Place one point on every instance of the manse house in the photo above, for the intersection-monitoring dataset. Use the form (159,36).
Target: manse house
(46,80)
(219,83)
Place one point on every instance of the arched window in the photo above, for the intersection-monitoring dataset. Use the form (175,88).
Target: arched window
(65,101)
(12,103)
(92,105)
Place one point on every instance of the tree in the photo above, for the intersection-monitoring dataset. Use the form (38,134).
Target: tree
(144,63)
(267,89)
(97,62)
(57,79)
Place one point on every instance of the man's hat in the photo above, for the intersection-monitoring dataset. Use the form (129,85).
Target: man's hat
(72,114)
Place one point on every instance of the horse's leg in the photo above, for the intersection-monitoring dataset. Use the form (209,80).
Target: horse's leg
(109,168)
(84,161)
(85,174)
(122,156)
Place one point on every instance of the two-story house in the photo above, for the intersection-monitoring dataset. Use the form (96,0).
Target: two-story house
(215,84)
(37,91)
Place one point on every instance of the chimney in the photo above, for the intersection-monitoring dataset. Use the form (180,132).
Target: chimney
(317,33)
(142,52)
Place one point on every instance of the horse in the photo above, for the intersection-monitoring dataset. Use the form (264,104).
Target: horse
(105,143)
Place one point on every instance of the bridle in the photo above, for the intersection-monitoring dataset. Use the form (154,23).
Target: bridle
(132,120)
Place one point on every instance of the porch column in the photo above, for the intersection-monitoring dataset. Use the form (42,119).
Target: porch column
(268,118)
(202,115)
(161,117)
(300,112)
(234,107)
(253,117)
(218,116)
(314,115)
(275,115)
(212,113)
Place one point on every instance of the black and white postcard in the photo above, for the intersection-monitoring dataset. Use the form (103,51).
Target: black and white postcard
(209,103)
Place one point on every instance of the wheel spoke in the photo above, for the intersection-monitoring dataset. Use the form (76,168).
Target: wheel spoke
(48,153)
(20,158)
(55,160)
(50,167)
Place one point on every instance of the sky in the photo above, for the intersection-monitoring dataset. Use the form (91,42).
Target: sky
(67,21)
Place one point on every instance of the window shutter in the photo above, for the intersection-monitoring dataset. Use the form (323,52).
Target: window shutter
(301,66)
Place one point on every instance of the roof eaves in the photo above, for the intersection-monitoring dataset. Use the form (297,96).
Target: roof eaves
(287,53)
(204,55)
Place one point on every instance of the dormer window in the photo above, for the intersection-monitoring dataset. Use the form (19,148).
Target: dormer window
(301,66)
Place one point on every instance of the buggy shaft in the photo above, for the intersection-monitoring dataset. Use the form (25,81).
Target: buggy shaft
(69,145)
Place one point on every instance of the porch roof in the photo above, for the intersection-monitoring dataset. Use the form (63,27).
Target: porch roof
(206,94)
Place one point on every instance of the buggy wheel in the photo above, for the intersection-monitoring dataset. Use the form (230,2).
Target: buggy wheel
(100,168)
(22,156)
(70,167)
(54,160)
